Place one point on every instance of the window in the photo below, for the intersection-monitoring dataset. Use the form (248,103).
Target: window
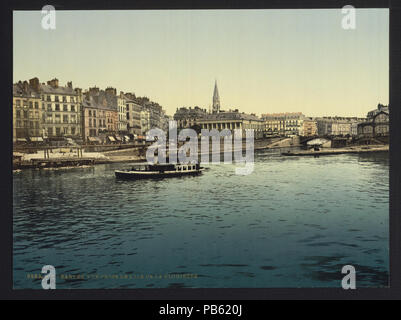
(72,108)
(49,107)
(56,99)
(58,131)
(30,104)
(36,105)
(65,108)
(65,119)
(72,99)
(18,102)
(49,98)
(90,122)
(65,130)
(90,113)
(72,130)
(57,107)
(18,114)
(64,99)
(25,114)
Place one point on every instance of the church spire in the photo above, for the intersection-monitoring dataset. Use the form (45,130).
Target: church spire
(216,99)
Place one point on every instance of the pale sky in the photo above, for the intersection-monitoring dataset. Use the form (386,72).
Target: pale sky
(265,61)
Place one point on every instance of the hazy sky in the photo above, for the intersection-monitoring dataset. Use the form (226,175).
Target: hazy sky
(264,61)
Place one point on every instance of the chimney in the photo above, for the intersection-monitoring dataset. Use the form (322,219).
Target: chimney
(34,84)
(25,86)
(94,91)
(111,91)
(53,83)
(69,84)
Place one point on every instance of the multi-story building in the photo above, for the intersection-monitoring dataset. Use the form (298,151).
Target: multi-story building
(100,112)
(377,124)
(187,117)
(111,110)
(145,122)
(233,120)
(90,125)
(155,111)
(61,109)
(122,113)
(27,112)
(133,117)
(288,123)
(294,124)
(337,126)
(274,125)
(309,127)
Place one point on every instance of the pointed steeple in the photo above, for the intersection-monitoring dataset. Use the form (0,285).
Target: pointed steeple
(216,99)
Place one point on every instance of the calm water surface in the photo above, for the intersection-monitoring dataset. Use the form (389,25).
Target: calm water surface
(294,222)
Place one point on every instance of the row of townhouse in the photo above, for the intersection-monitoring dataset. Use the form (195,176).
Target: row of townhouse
(48,110)
(338,126)
(288,124)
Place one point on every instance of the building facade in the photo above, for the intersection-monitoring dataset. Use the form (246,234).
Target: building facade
(122,113)
(61,108)
(133,117)
(145,122)
(90,125)
(233,120)
(377,124)
(288,123)
(27,112)
(309,127)
(188,117)
(338,126)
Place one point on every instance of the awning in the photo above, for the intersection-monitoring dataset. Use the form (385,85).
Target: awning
(37,139)
(118,138)
(141,138)
(21,140)
(92,139)
(127,138)
(111,138)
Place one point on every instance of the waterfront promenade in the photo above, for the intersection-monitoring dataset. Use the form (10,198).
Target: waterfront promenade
(63,158)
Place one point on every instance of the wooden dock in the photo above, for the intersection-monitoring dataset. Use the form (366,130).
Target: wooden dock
(54,163)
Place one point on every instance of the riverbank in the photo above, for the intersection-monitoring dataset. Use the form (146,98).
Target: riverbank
(333,151)
(132,155)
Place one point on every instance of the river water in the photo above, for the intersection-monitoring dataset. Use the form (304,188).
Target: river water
(293,222)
